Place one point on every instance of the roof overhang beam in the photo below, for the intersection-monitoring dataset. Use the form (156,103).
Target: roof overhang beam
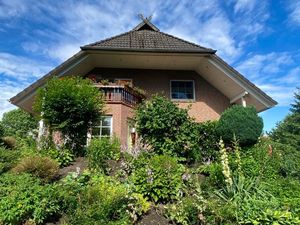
(238,97)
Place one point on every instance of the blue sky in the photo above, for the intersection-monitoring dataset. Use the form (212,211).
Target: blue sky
(261,39)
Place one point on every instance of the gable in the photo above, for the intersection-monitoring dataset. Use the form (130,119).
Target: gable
(145,47)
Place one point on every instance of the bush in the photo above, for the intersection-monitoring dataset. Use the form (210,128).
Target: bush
(165,127)
(70,105)
(24,198)
(208,141)
(160,179)
(101,150)
(8,158)
(9,142)
(288,130)
(188,210)
(1,130)
(18,123)
(44,168)
(268,159)
(103,202)
(64,157)
(242,122)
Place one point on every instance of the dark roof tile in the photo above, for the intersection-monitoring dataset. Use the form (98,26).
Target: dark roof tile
(145,37)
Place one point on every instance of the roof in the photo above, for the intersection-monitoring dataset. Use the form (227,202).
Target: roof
(144,39)
(147,37)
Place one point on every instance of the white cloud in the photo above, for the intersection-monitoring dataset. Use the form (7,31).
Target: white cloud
(293,77)
(7,91)
(63,52)
(242,5)
(271,63)
(21,68)
(63,26)
(294,16)
(275,73)
(281,93)
(12,8)
(71,24)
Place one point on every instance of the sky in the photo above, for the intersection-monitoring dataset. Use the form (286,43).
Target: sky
(259,38)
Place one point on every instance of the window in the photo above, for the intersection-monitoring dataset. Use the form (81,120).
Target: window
(103,128)
(182,90)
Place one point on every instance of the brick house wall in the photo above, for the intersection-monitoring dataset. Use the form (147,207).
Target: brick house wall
(209,103)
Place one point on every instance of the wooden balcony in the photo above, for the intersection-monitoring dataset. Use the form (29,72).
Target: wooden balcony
(123,94)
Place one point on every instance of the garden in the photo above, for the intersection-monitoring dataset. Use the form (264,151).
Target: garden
(181,172)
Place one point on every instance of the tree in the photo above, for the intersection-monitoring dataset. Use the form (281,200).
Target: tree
(243,122)
(1,130)
(166,128)
(70,105)
(18,123)
(288,130)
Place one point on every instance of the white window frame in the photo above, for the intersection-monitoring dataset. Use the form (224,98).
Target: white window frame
(100,127)
(183,99)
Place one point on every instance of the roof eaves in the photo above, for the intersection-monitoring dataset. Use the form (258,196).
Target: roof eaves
(210,51)
(245,80)
(39,82)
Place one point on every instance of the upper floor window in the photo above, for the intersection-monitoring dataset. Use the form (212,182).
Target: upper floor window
(182,90)
(103,128)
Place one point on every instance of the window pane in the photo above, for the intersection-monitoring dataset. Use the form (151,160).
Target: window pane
(106,121)
(182,90)
(95,131)
(102,128)
(105,131)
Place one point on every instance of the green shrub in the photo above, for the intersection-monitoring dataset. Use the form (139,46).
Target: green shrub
(18,123)
(286,191)
(23,198)
(8,158)
(165,127)
(101,150)
(287,131)
(44,168)
(160,179)
(137,206)
(104,201)
(268,159)
(64,157)
(70,105)
(274,217)
(215,176)
(188,210)
(208,140)
(1,130)
(242,122)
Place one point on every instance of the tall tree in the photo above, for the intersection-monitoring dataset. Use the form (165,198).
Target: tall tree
(288,130)
(69,105)
(18,123)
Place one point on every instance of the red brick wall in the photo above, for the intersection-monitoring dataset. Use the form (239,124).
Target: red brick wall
(208,105)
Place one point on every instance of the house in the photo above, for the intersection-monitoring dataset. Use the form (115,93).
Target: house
(156,62)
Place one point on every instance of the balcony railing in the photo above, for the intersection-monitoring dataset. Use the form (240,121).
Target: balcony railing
(120,94)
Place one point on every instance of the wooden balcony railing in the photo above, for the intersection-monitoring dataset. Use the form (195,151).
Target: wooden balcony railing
(120,94)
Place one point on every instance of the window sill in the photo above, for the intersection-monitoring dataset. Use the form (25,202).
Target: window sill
(184,100)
